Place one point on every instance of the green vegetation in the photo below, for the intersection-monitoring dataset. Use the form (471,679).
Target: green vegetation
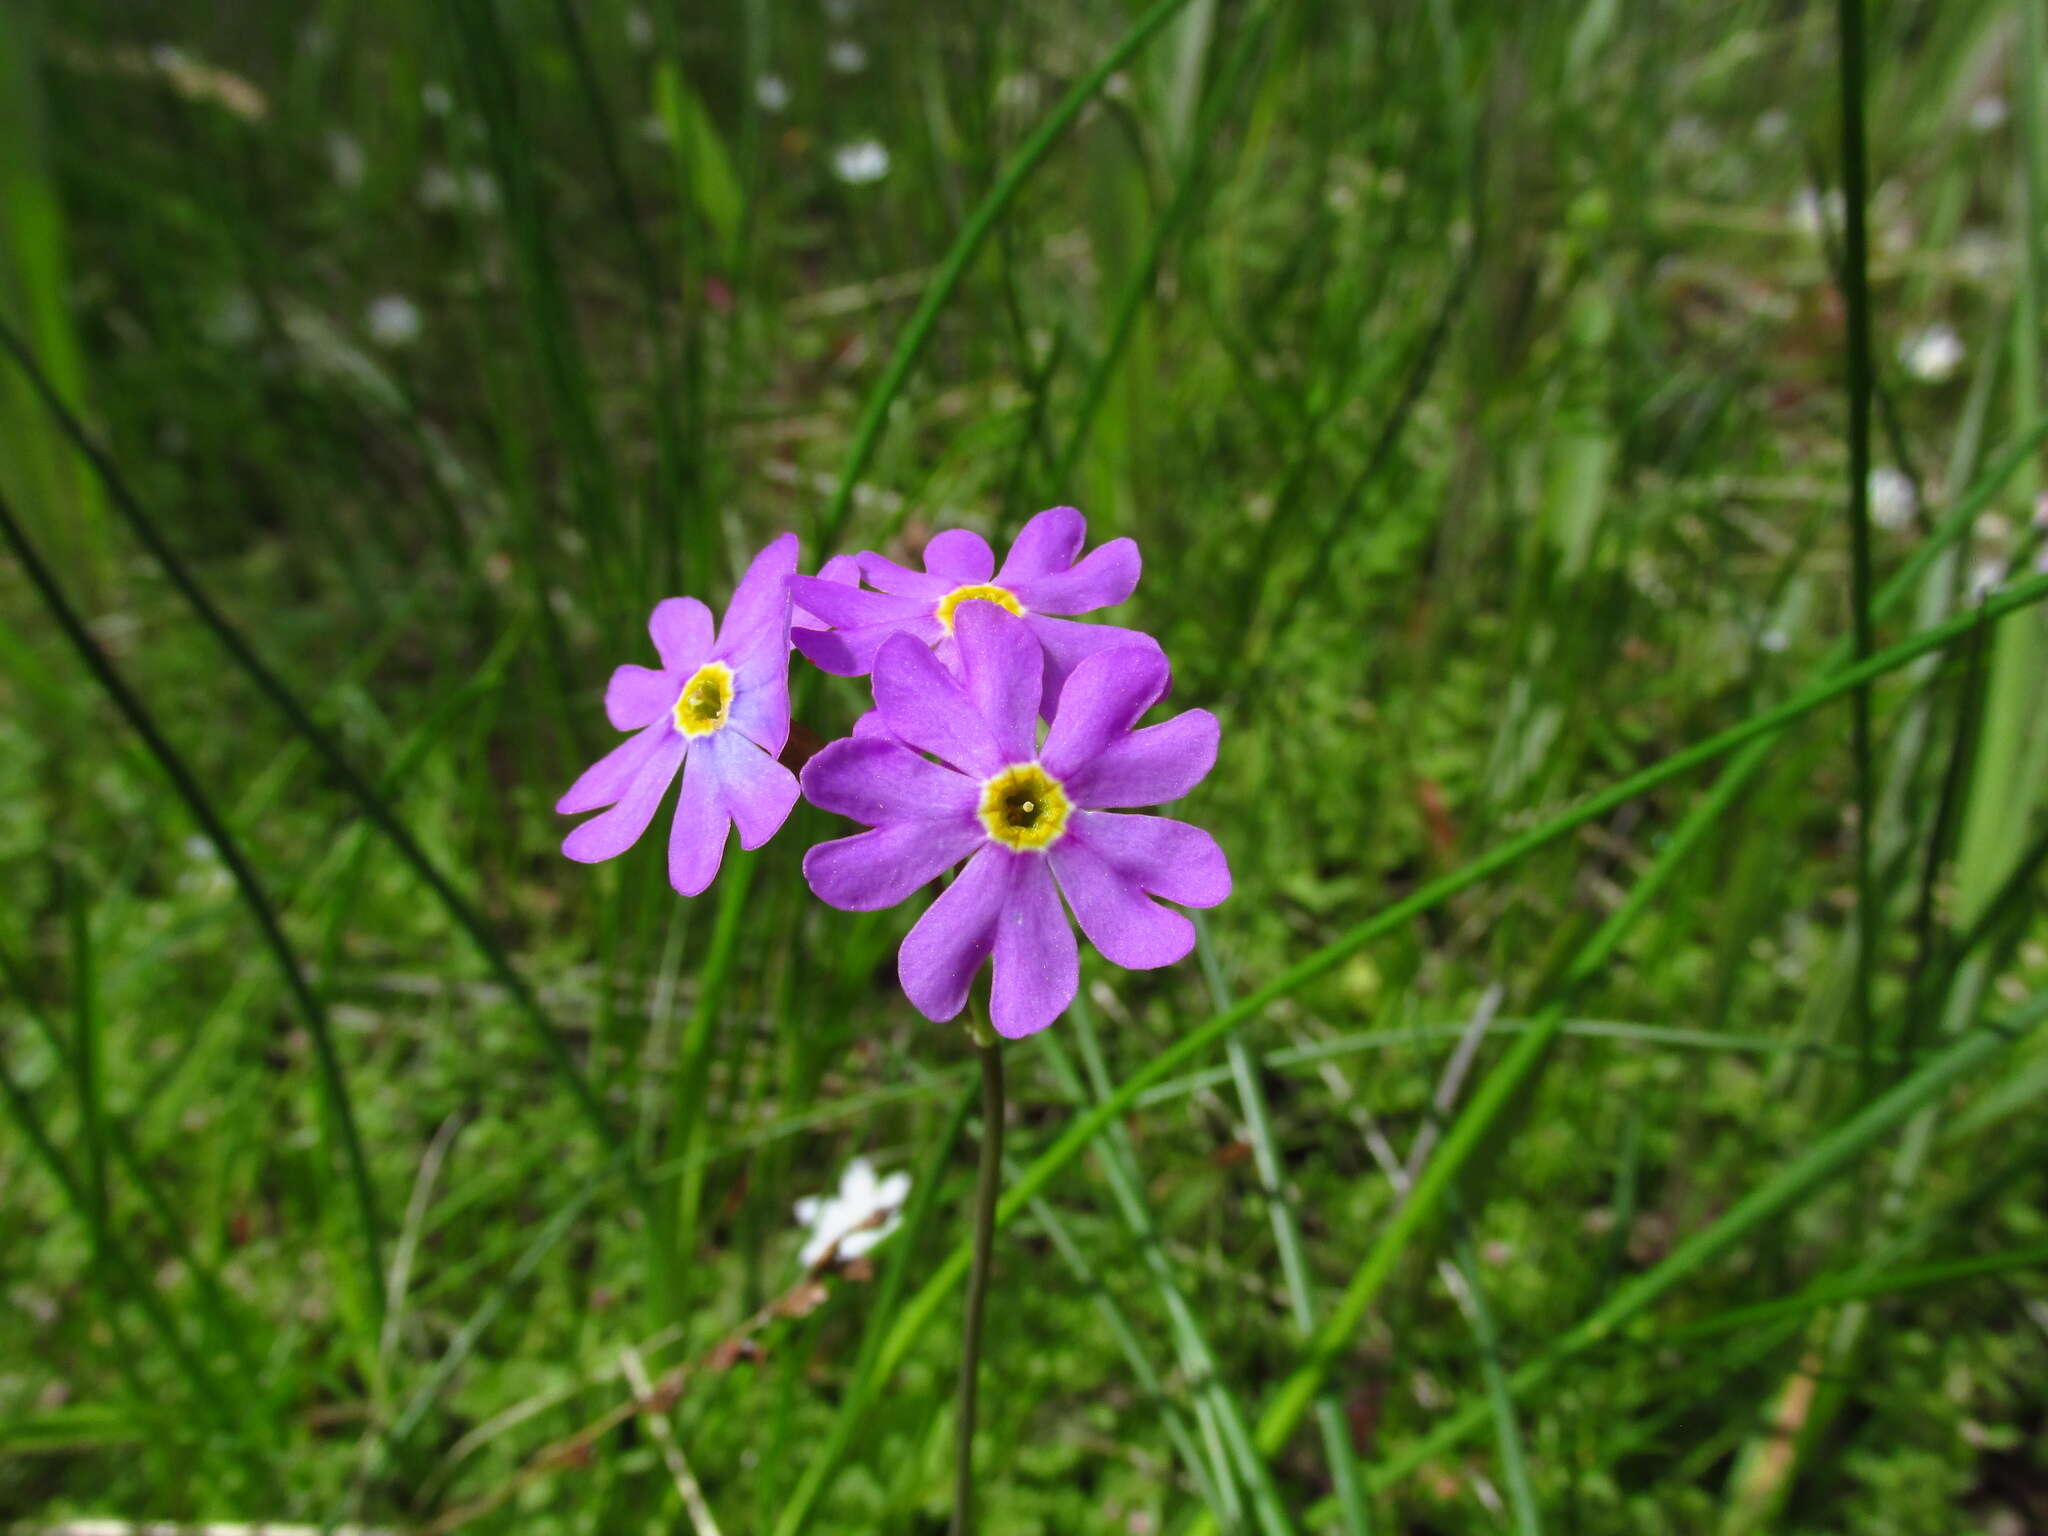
(1613,1100)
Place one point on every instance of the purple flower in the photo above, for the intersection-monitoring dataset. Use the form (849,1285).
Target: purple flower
(1041,578)
(718,710)
(1032,821)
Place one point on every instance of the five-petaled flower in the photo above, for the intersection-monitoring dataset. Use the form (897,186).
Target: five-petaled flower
(1033,821)
(717,709)
(1041,579)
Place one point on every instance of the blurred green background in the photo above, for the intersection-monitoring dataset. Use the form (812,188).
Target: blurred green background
(1474,379)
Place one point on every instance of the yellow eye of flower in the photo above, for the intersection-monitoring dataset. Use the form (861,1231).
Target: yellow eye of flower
(702,705)
(1024,807)
(981,593)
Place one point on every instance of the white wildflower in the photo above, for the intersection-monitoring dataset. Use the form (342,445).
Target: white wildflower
(1986,573)
(1811,214)
(345,155)
(1932,355)
(772,92)
(848,1224)
(1892,501)
(393,320)
(1988,113)
(639,29)
(846,56)
(840,10)
(860,162)
(235,320)
(1772,126)
(437,98)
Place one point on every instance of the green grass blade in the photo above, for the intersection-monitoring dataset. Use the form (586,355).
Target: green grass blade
(1492,1096)
(374,805)
(333,1081)
(917,331)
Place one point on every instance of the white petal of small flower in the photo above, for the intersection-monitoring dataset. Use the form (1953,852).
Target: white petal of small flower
(851,1222)
(1934,354)
(861,162)
(1988,114)
(437,98)
(393,320)
(772,92)
(1985,577)
(1892,502)
(345,155)
(846,56)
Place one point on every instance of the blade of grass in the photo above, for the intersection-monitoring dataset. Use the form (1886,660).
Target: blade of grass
(917,331)
(1198,1358)
(375,806)
(1830,1155)
(1082,1131)
(1251,1093)
(1856,272)
(333,1081)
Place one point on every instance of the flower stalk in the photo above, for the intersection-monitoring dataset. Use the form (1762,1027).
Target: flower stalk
(987,1185)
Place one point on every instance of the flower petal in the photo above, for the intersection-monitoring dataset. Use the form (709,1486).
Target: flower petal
(1101,702)
(680,628)
(961,555)
(757,618)
(947,945)
(1068,644)
(696,839)
(1048,543)
(609,835)
(873,870)
(929,709)
(851,652)
(1166,857)
(1038,966)
(885,575)
(638,696)
(1108,576)
(1129,927)
(850,607)
(606,781)
(877,780)
(1149,767)
(756,791)
(841,571)
(999,662)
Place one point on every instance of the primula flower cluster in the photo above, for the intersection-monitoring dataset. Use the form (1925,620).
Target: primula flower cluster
(1004,740)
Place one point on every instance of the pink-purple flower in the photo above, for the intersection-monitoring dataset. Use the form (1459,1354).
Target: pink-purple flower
(1044,578)
(717,710)
(1034,822)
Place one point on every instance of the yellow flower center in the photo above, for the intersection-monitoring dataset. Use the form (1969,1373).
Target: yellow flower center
(982,593)
(701,706)
(1024,807)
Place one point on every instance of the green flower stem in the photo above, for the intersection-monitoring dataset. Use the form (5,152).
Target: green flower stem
(987,1183)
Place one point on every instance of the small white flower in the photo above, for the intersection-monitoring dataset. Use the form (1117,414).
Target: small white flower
(1988,113)
(235,320)
(1774,640)
(345,155)
(437,98)
(846,56)
(860,162)
(772,92)
(1772,126)
(1933,354)
(1811,213)
(865,1211)
(1892,502)
(639,29)
(393,320)
(1985,575)
(840,10)
(441,190)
